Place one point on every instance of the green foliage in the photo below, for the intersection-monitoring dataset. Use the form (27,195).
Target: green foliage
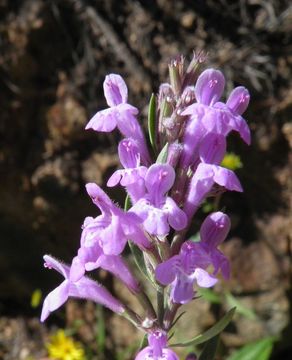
(210,349)
(258,350)
(151,121)
(210,333)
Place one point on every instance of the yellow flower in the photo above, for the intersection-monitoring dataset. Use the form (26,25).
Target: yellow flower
(231,161)
(62,347)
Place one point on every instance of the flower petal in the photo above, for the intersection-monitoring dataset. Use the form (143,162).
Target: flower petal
(115,90)
(204,279)
(212,148)
(104,120)
(209,87)
(165,272)
(55,299)
(214,229)
(176,217)
(238,100)
(226,178)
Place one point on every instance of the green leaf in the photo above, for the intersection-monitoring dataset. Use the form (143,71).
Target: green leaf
(151,120)
(240,308)
(162,157)
(210,333)
(210,349)
(127,203)
(258,350)
(143,342)
(210,295)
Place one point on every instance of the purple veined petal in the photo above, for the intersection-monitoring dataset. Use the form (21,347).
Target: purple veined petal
(144,354)
(88,289)
(193,255)
(217,120)
(238,100)
(226,178)
(212,148)
(201,183)
(156,222)
(99,197)
(177,219)
(112,239)
(129,153)
(169,355)
(214,229)
(137,190)
(92,229)
(209,87)
(194,132)
(238,124)
(182,290)
(204,279)
(165,272)
(55,299)
(158,180)
(115,90)
(157,341)
(220,262)
(117,266)
(104,120)
(127,122)
(52,263)
(77,269)
(115,178)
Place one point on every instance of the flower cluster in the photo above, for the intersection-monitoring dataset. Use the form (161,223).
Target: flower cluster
(166,184)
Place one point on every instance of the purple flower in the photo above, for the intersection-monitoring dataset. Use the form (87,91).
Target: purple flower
(133,174)
(189,266)
(91,258)
(84,288)
(113,228)
(120,114)
(213,232)
(202,182)
(217,116)
(157,210)
(183,270)
(157,349)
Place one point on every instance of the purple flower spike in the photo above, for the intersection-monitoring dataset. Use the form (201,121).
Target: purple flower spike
(157,210)
(157,349)
(183,270)
(113,228)
(84,288)
(209,87)
(202,182)
(132,177)
(91,258)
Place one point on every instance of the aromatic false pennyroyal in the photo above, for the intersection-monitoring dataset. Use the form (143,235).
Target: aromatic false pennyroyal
(166,185)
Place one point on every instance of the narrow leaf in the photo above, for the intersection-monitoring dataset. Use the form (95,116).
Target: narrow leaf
(210,349)
(259,350)
(151,121)
(162,157)
(210,333)
(143,342)
(127,203)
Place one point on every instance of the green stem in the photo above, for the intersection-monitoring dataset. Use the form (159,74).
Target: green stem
(146,303)
(160,305)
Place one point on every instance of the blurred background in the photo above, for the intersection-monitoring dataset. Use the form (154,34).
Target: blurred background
(54,56)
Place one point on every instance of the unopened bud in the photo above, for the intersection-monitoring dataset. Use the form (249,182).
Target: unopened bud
(191,356)
(176,71)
